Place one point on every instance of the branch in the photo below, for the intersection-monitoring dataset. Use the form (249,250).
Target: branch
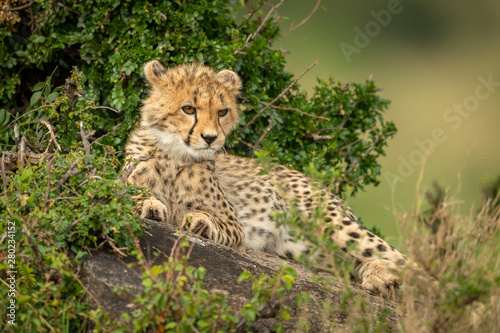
(34,247)
(85,139)
(102,107)
(16,134)
(52,135)
(10,159)
(251,14)
(71,10)
(368,151)
(253,35)
(24,114)
(292,28)
(71,172)
(340,127)
(295,109)
(277,97)
(29,4)
(317,137)
(22,150)
(264,134)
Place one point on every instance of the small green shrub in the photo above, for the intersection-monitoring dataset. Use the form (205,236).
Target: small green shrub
(71,201)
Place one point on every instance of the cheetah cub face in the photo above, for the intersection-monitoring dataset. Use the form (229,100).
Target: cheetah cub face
(191,109)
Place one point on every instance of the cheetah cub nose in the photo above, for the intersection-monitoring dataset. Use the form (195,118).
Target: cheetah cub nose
(209,138)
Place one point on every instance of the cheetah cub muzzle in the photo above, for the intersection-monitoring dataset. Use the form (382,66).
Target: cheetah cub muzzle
(173,152)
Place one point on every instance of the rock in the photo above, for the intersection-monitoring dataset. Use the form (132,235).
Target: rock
(104,271)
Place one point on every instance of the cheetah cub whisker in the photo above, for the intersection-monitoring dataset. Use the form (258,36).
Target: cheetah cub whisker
(185,121)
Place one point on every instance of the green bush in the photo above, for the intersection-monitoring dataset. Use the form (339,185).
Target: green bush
(340,128)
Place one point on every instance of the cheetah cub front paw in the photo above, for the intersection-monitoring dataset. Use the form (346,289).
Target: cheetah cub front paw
(199,221)
(153,209)
(377,276)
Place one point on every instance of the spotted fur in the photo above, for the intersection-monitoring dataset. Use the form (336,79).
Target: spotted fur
(184,123)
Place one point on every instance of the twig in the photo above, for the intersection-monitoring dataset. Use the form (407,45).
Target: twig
(85,139)
(64,198)
(295,109)
(252,14)
(85,288)
(111,243)
(71,172)
(102,107)
(16,135)
(368,151)
(253,35)
(277,97)
(34,247)
(24,114)
(340,127)
(292,28)
(264,134)
(105,135)
(52,135)
(4,177)
(317,137)
(71,10)
(29,4)
(22,150)
(273,8)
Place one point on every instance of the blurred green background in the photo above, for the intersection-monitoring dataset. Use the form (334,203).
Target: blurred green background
(428,57)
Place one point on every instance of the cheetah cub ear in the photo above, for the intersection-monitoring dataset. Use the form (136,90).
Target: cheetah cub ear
(155,72)
(230,80)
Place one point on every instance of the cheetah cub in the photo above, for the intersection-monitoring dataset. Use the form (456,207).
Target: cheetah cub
(185,121)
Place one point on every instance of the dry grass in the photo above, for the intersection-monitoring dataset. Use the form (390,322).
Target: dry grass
(457,288)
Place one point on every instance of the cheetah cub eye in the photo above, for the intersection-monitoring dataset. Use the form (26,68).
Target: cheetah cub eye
(189,110)
(223,112)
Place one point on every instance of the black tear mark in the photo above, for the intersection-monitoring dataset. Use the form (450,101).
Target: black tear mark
(188,140)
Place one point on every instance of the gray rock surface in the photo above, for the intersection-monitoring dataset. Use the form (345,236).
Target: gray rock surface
(104,271)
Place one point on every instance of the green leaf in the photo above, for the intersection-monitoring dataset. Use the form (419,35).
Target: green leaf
(22,299)
(35,98)
(245,276)
(147,283)
(38,86)
(3,115)
(155,270)
(170,325)
(52,97)
(288,280)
